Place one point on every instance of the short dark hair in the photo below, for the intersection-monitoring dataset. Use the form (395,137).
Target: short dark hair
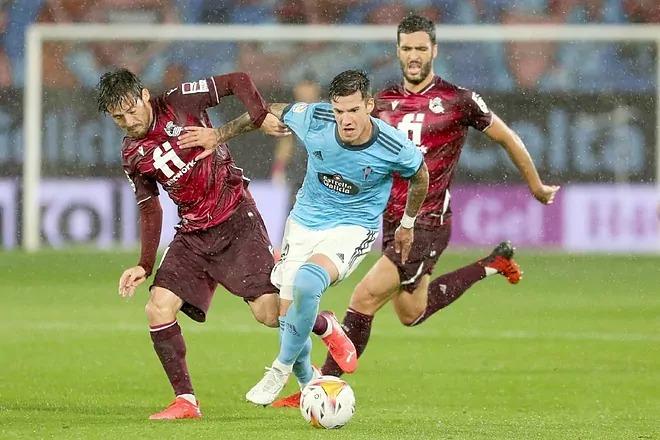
(349,82)
(416,23)
(114,87)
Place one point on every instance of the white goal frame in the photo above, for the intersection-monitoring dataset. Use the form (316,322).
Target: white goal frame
(38,33)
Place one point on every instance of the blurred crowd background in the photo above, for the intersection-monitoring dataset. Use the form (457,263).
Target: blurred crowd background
(487,66)
(586,111)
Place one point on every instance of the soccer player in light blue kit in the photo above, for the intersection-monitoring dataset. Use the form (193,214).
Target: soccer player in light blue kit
(337,213)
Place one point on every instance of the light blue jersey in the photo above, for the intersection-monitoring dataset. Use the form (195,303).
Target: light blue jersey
(346,184)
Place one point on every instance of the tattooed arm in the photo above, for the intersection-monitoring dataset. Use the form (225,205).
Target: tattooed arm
(210,138)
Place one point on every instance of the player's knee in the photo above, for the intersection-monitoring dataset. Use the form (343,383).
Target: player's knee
(158,310)
(309,284)
(267,317)
(365,299)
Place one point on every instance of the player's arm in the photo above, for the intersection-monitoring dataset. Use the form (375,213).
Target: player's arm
(515,148)
(151,220)
(211,138)
(418,186)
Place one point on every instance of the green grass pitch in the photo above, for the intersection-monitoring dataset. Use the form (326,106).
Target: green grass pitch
(573,352)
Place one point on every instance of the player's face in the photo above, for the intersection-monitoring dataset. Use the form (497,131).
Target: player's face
(416,54)
(133,115)
(352,114)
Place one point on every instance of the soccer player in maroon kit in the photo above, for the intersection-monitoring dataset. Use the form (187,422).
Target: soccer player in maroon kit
(436,115)
(221,238)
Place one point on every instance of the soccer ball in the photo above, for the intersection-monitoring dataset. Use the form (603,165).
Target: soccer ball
(327,402)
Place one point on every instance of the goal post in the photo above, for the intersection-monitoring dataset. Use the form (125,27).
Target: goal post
(37,34)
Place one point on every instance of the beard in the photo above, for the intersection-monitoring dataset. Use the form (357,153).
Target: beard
(424,71)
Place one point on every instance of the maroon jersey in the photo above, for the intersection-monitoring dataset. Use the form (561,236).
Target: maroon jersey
(437,121)
(205,192)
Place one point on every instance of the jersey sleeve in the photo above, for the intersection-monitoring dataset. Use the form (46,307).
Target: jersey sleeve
(143,187)
(409,160)
(477,113)
(197,96)
(193,97)
(298,117)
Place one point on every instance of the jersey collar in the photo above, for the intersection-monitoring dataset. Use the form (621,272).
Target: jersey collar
(374,136)
(429,87)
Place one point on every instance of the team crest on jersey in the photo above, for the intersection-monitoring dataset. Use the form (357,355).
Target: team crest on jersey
(337,183)
(172,129)
(367,172)
(435,105)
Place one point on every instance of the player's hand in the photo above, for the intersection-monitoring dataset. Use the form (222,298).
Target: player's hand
(130,279)
(274,127)
(403,238)
(546,193)
(204,137)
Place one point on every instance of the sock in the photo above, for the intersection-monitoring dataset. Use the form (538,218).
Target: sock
(309,284)
(171,350)
(447,288)
(302,368)
(189,397)
(321,326)
(358,328)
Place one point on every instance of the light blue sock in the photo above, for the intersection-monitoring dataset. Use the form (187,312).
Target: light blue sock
(302,368)
(309,284)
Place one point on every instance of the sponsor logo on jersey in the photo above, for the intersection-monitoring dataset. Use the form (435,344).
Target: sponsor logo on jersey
(299,107)
(172,129)
(187,167)
(395,104)
(337,183)
(200,86)
(435,105)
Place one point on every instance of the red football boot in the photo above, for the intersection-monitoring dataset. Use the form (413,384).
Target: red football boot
(501,259)
(179,409)
(341,348)
(292,401)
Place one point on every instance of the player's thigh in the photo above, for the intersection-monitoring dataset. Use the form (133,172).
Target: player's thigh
(297,247)
(266,309)
(182,271)
(376,288)
(241,258)
(409,306)
(345,247)
(163,305)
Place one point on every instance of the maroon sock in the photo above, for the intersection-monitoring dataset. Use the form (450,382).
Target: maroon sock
(171,350)
(320,325)
(358,328)
(447,288)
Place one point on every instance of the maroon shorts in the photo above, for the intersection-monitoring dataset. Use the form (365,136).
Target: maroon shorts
(236,254)
(428,244)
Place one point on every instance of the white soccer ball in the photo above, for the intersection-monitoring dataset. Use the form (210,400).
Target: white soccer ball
(327,402)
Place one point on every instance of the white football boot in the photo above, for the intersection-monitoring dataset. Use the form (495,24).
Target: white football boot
(270,386)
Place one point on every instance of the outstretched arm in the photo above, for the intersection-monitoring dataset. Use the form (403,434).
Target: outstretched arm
(515,148)
(210,138)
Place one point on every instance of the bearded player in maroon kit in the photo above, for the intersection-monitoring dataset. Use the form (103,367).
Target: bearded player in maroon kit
(221,238)
(436,115)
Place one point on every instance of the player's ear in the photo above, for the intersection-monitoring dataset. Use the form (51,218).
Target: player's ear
(370,104)
(435,50)
(145,95)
